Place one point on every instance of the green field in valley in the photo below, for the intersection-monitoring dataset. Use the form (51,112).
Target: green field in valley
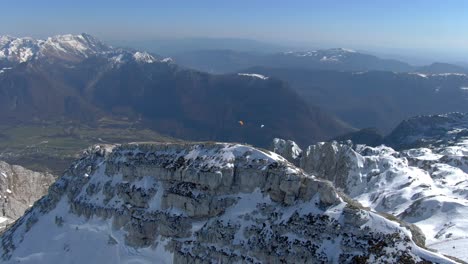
(52,146)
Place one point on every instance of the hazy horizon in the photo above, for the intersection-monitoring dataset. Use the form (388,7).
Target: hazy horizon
(418,30)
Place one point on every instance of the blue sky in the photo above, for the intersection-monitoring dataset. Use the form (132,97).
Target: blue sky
(422,25)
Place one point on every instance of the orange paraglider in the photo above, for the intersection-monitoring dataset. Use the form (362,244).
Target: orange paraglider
(241,122)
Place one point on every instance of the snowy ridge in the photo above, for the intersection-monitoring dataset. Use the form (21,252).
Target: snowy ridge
(18,50)
(436,75)
(325,55)
(205,202)
(70,48)
(422,75)
(423,186)
(167,60)
(314,53)
(254,75)
(143,57)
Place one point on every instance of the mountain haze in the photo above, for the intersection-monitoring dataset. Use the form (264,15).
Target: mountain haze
(378,99)
(80,78)
(336,59)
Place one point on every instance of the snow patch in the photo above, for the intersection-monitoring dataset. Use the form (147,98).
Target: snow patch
(254,75)
(422,75)
(143,57)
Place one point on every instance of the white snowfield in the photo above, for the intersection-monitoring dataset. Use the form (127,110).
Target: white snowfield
(144,57)
(254,75)
(424,186)
(207,202)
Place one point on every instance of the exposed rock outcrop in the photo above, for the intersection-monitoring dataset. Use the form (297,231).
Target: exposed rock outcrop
(288,149)
(423,186)
(19,189)
(201,203)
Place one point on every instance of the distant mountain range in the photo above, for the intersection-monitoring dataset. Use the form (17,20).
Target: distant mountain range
(78,77)
(423,131)
(339,59)
(376,98)
(430,131)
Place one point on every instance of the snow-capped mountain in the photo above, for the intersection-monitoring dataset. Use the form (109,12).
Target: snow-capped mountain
(68,48)
(425,186)
(340,59)
(202,203)
(19,189)
(359,59)
(325,55)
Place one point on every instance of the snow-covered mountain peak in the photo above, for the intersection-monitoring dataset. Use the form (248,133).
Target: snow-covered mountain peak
(68,48)
(335,55)
(82,45)
(18,49)
(337,51)
(119,57)
(425,186)
(315,53)
(204,202)
(144,57)
(167,60)
(4,39)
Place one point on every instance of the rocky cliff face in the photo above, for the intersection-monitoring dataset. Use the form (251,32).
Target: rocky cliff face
(19,189)
(423,186)
(201,203)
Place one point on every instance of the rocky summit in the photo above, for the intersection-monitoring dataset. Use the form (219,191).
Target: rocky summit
(202,203)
